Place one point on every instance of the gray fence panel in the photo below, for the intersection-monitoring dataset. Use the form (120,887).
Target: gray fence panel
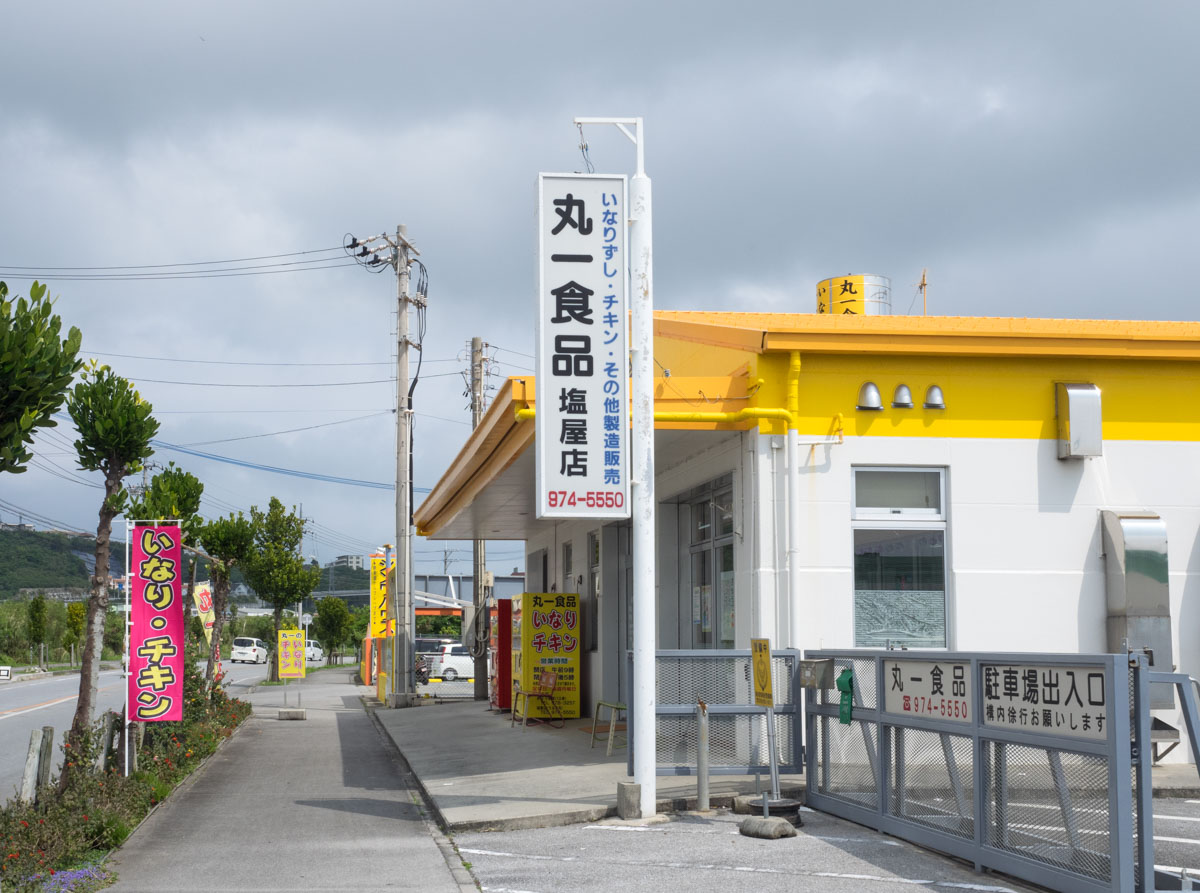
(737,729)
(977,775)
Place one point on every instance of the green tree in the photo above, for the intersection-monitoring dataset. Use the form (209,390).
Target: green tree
(332,624)
(275,568)
(115,428)
(36,366)
(36,620)
(173,495)
(228,541)
(76,618)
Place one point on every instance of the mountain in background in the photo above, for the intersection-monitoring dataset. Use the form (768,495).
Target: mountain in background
(33,559)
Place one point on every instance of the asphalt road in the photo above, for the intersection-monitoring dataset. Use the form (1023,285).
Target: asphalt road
(1177,835)
(34,703)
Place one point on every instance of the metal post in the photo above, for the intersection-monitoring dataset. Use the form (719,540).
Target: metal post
(701,755)
(773,757)
(641,352)
(479,556)
(795,627)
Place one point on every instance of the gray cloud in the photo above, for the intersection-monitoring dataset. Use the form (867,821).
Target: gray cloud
(1036,158)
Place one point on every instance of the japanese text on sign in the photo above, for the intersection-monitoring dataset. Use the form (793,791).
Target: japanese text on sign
(931,689)
(1052,700)
(760,659)
(583,361)
(291,654)
(379,626)
(156,626)
(548,636)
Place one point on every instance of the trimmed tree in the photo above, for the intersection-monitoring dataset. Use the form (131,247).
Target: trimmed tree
(174,495)
(115,429)
(228,541)
(36,366)
(276,569)
(332,624)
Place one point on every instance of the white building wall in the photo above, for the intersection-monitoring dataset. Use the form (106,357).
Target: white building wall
(1025,570)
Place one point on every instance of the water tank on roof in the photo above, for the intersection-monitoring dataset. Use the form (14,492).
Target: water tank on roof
(859,295)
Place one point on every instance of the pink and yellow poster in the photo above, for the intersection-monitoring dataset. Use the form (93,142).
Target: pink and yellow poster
(156,631)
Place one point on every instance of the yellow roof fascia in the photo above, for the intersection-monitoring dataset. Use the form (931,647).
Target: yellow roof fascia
(947,335)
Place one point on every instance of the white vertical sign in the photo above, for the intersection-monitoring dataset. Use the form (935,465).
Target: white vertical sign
(582,351)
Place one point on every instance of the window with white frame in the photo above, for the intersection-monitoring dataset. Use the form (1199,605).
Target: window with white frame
(710,560)
(899,521)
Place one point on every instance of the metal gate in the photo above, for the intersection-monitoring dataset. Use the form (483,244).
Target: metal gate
(1037,765)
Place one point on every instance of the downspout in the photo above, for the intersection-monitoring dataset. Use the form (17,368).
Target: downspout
(793,500)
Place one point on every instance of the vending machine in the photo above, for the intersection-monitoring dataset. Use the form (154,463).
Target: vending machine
(500,653)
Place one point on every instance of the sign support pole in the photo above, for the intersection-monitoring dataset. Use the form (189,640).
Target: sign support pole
(128,639)
(641,352)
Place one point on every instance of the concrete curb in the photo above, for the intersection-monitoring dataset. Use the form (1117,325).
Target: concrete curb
(462,876)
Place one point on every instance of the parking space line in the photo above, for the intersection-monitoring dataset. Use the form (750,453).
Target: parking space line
(751,869)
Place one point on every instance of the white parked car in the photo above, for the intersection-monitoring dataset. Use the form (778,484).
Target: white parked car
(450,662)
(313,650)
(250,651)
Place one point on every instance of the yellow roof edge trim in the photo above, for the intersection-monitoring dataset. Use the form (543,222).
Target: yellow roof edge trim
(946,335)
(497,422)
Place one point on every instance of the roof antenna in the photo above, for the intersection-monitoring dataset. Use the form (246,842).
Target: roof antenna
(924,286)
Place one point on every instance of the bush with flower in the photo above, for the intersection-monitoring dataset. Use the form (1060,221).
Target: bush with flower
(57,844)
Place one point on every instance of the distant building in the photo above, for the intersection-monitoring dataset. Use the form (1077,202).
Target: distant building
(353,562)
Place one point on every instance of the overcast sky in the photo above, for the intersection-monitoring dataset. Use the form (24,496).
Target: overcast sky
(1037,158)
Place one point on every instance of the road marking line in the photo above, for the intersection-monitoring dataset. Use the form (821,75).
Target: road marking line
(8,714)
(1178,818)
(1176,839)
(750,869)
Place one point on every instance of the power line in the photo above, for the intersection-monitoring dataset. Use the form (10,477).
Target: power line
(507,350)
(130,356)
(287,431)
(158,411)
(314,476)
(152,277)
(219,384)
(197,263)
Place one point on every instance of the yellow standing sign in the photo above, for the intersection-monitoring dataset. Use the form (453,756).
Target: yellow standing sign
(291,654)
(760,652)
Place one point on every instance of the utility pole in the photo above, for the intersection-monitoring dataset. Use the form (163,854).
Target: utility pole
(403,683)
(399,253)
(480,556)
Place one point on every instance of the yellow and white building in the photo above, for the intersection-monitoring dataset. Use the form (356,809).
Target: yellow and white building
(949,490)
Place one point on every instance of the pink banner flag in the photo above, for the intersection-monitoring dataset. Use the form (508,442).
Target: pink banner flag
(156,640)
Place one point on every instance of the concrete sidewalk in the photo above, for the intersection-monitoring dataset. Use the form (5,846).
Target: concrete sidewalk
(480,774)
(318,804)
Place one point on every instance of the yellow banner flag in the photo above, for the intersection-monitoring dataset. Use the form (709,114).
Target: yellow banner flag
(202,596)
(377,627)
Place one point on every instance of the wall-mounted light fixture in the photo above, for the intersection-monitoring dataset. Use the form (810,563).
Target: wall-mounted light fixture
(902,399)
(868,397)
(934,398)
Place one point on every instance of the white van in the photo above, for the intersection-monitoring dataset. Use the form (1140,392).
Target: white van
(313,650)
(250,651)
